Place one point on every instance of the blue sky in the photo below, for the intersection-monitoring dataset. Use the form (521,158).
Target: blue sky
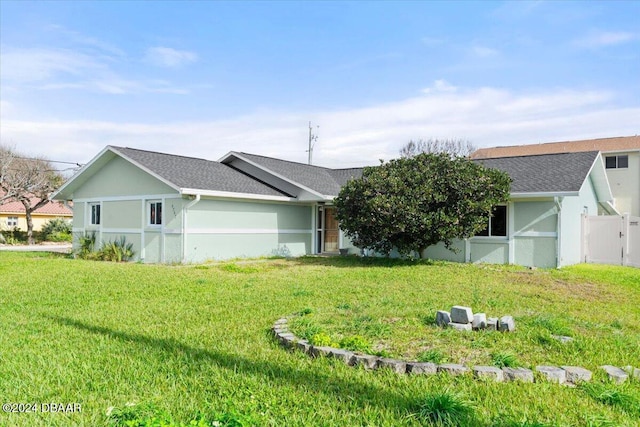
(204,78)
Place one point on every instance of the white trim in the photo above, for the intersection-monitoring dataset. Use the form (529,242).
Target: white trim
(80,172)
(277,175)
(232,195)
(490,239)
(122,230)
(511,226)
(128,198)
(245,231)
(548,194)
(536,234)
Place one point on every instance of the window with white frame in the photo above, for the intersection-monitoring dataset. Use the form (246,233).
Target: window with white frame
(616,162)
(497,225)
(94,211)
(155,213)
(12,221)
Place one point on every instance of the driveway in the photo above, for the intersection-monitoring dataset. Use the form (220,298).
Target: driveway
(57,247)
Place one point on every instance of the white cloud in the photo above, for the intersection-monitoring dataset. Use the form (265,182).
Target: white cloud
(485,116)
(168,57)
(606,38)
(30,65)
(440,86)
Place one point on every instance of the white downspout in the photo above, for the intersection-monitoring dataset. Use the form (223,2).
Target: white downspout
(558,202)
(184,226)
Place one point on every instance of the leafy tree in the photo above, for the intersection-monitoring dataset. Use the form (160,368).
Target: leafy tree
(29,181)
(452,147)
(412,203)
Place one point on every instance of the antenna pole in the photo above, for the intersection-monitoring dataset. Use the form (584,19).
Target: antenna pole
(312,139)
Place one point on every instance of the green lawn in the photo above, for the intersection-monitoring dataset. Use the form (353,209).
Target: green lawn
(186,343)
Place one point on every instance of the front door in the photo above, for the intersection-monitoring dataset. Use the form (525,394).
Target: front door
(330,230)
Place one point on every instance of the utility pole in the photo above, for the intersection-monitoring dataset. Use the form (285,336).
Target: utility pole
(312,140)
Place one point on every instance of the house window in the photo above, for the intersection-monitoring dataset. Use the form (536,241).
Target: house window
(616,162)
(155,213)
(12,221)
(497,225)
(95,213)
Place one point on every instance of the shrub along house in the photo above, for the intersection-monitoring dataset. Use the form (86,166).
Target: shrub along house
(182,209)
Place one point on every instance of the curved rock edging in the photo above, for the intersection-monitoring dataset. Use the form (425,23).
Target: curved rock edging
(569,375)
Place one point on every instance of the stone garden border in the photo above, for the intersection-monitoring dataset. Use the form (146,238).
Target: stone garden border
(568,375)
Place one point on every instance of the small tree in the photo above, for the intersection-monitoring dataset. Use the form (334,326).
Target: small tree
(452,147)
(412,203)
(27,180)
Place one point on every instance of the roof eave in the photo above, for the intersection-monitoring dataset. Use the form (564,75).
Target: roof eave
(235,195)
(544,194)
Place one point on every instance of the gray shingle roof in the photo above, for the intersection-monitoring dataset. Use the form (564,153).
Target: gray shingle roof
(322,180)
(201,174)
(548,173)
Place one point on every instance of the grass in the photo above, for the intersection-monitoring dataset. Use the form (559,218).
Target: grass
(190,344)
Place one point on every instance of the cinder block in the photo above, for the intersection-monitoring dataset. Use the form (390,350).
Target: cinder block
(421,368)
(460,314)
(489,372)
(576,374)
(553,373)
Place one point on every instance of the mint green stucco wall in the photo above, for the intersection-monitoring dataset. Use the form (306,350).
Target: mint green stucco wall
(534,216)
(120,178)
(535,251)
(121,214)
(491,252)
(223,229)
(440,252)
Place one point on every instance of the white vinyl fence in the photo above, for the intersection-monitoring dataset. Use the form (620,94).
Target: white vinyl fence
(611,240)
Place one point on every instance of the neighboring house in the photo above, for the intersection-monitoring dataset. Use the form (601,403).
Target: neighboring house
(621,156)
(12,214)
(181,209)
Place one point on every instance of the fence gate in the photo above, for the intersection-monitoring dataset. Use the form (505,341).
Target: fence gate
(611,240)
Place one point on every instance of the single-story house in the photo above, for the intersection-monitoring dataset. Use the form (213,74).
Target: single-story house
(621,156)
(182,209)
(13,214)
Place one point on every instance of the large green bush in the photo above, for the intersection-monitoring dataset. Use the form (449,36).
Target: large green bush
(56,230)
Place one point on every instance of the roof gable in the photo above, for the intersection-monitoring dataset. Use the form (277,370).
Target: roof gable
(324,182)
(187,175)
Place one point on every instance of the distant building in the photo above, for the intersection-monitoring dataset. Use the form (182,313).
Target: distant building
(621,156)
(12,214)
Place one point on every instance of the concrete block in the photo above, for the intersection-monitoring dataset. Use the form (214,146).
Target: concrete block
(633,372)
(397,366)
(461,326)
(577,374)
(443,318)
(281,321)
(492,323)
(303,346)
(507,324)
(286,338)
(615,374)
(453,369)
(421,368)
(518,374)
(320,351)
(479,321)
(563,339)
(489,372)
(345,356)
(365,360)
(460,314)
(553,373)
